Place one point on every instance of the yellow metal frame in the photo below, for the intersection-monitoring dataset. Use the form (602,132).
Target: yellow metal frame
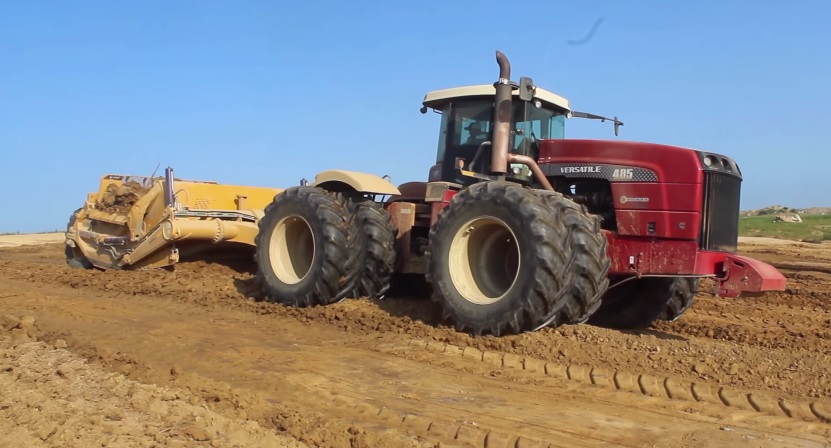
(204,215)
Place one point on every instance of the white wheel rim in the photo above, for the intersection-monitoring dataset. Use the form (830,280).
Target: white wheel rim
(291,249)
(484,260)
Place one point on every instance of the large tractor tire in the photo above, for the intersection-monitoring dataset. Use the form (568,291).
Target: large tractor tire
(378,246)
(504,259)
(308,248)
(74,257)
(682,298)
(592,263)
(635,304)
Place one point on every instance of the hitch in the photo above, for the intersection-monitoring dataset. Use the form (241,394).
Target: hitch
(747,275)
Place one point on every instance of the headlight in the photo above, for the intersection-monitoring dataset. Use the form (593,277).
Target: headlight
(167,230)
(720,163)
(726,165)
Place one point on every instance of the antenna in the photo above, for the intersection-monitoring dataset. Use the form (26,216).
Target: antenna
(154,171)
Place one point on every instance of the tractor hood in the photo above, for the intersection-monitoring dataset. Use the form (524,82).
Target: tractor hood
(673,164)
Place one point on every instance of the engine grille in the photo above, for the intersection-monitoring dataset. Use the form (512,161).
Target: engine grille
(720,212)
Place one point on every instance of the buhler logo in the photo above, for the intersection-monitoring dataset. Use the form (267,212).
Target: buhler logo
(624,199)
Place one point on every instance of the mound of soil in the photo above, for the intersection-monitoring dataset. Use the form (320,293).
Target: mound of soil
(119,199)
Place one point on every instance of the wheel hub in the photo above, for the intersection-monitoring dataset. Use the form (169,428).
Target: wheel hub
(292,249)
(484,260)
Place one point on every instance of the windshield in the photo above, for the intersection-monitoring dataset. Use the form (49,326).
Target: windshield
(543,123)
(533,123)
(468,123)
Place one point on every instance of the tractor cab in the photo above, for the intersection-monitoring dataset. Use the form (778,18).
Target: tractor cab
(466,131)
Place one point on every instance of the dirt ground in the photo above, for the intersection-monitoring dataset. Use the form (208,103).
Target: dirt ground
(119,199)
(187,357)
(30,239)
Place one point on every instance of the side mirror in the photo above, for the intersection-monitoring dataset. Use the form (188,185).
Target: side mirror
(618,123)
(526,88)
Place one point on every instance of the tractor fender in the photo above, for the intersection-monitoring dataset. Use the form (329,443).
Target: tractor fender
(410,192)
(336,180)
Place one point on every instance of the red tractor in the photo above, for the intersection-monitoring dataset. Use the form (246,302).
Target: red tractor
(517,227)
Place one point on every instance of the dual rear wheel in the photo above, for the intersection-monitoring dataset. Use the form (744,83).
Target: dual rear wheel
(316,247)
(507,259)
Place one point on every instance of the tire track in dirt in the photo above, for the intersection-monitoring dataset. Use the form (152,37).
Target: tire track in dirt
(751,332)
(763,313)
(353,408)
(163,346)
(689,348)
(52,397)
(758,325)
(797,319)
(188,285)
(652,386)
(435,399)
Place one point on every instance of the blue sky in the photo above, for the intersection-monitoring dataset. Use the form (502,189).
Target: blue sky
(268,92)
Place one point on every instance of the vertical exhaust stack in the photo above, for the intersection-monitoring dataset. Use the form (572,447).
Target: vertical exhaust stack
(502,116)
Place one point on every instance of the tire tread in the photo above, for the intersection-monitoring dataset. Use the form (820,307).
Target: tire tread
(568,255)
(340,270)
(379,247)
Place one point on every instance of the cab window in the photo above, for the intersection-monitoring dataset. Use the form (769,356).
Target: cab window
(472,124)
(534,123)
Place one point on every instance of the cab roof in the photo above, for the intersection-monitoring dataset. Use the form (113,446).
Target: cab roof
(438,98)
